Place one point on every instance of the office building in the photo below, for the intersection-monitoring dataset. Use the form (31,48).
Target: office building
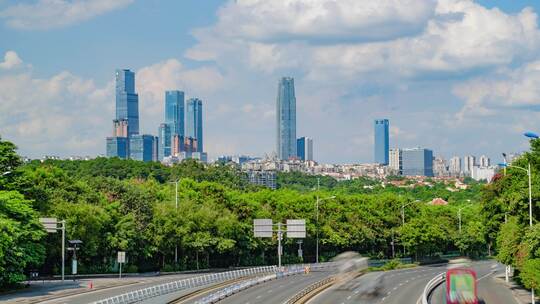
(262,178)
(417,162)
(483,173)
(194,125)
(468,163)
(286,119)
(455,166)
(120,128)
(165,141)
(184,144)
(395,161)
(118,147)
(174,111)
(127,101)
(484,161)
(304,148)
(440,168)
(143,147)
(382,141)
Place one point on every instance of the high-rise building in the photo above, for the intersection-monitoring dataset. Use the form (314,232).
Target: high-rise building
(440,168)
(194,125)
(468,164)
(382,141)
(165,141)
(118,147)
(395,161)
(286,119)
(484,161)
(143,147)
(304,148)
(455,166)
(417,162)
(127,101)
(120,128)
(174,111)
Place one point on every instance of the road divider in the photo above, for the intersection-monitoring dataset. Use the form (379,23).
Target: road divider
(430,286)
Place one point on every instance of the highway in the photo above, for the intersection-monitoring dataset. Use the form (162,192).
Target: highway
(96,295)
(276,291)
(489,291)
(398,287)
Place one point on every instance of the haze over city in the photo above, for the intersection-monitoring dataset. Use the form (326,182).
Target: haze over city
(456,92)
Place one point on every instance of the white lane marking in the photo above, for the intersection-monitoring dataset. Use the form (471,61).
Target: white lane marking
(258,297)
(349,297)
(487,275)
(269,291)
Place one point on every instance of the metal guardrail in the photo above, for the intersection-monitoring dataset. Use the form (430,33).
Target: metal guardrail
(167,288)
(436,281)
(308,290)
(285,271)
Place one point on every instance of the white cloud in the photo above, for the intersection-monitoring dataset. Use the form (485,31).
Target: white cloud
(46,14)
(452,36)
(506,90)
(11,60)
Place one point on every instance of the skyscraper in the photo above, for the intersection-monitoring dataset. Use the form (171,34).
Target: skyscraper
(304,148)
(286,118)
(468,164)
(194,127)
(382,141)
(143,147)
(455,166)
(484,161)
(174,111)
(127,101)
(417,162)
(395,161)
(118,147)
(165,141)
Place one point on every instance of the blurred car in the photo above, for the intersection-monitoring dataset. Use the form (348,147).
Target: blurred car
(461,286)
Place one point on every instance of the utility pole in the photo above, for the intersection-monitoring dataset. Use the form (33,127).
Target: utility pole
(459,217)
(176,208)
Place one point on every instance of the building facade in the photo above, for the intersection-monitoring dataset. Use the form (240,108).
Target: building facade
(455,166)
(484,161)
(194,125)
(143,147)
(468,163)
(174,112)
(165,141)
(262,178)
(304,148)
(127,101)
(118,147)
(395,161)
(286,119)
(382,141)
(417,162)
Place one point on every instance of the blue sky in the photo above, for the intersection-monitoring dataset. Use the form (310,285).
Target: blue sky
(457,76)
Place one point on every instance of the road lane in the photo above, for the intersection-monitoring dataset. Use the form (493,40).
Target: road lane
(399,287)
(276,291)
(489,291)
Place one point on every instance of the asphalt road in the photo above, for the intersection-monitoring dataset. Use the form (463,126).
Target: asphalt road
(397,287)
(276,291)
(105,293)
(489,291)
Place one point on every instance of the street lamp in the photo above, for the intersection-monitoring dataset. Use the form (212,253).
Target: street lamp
(176,208)
(403,211)
(317,208)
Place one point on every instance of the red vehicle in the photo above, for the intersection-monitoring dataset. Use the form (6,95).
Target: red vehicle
(461,286)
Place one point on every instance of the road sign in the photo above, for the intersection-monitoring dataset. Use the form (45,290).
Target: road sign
(296,229)
(121,256)
(50,224)
(262,227)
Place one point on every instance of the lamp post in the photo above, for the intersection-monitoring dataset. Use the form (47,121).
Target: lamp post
(403,217)
(319,200)
(528,170)
(176,208)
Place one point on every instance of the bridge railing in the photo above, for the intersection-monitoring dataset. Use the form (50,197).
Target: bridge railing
(167,288)
(431,285)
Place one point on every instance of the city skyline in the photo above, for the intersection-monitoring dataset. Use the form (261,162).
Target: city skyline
(446,103)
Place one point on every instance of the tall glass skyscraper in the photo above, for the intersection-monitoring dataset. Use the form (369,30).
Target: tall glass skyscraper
(194,127)
(417,162)
(127,101)
(174,111)
(117,147)
(382,141)
(286,119)
(143,147)
(304,148)
(165,141)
